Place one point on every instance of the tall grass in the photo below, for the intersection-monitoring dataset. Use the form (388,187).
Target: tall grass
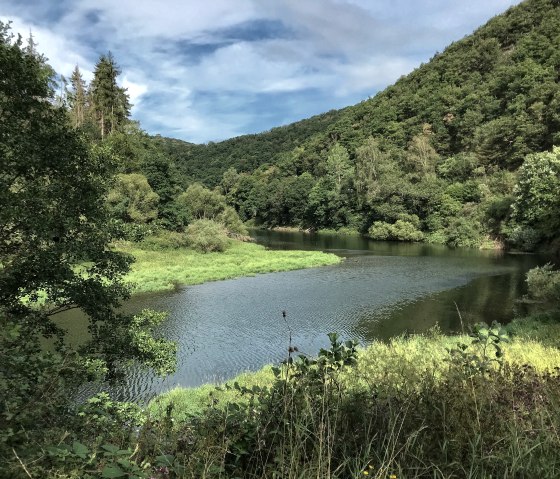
(410,408)
(407,409)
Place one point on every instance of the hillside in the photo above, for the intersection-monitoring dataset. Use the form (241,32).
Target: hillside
(495,93)
(433,157)
(207,163)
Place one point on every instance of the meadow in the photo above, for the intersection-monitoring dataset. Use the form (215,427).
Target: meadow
(164,269)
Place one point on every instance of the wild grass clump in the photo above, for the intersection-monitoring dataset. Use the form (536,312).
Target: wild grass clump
(428,406)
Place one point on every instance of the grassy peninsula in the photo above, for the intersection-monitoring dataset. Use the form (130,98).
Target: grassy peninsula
(165,269)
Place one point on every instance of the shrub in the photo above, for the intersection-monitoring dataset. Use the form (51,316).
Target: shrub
(207,236)
(166,240)
(400,231)
(543,284)
(380,230)
(136,231)
(464,233)
(230,219)
(524,238)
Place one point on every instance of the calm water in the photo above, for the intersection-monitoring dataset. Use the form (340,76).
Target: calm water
(380,290)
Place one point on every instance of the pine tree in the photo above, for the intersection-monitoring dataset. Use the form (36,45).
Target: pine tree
(77,99)
(110,102)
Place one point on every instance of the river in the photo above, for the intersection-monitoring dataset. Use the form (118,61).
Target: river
(380,290)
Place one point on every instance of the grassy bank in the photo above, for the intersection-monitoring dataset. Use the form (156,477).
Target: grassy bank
(534,341)
(161,270)
(408,408)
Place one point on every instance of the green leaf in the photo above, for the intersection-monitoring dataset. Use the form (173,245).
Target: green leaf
(165,460)
(80,449)
(110,448)
(111,471)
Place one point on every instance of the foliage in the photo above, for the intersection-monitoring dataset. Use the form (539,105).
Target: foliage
(165,240)
(110,103)
(132,199)
(206,236)
(400,231)
(407,409)
(537,194)
(200,203)
(543,284)
(485,341)
(53,218)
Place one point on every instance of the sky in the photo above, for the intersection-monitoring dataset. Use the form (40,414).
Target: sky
(209,70)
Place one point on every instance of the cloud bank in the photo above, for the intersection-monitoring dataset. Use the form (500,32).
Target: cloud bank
(206,71)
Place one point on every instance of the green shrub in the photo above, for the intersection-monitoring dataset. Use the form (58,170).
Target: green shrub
(137,231)
(165,240)
(207,236)
(437,237)
(464,233)
(543,284)
(399,231)
(380,230)
(524,238)
(230,219)
(464,192)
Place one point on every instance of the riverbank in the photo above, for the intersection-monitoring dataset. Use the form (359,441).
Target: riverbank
(424,406)
(166,269)
(534,341)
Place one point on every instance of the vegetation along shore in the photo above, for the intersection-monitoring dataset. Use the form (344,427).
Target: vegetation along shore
(464,151)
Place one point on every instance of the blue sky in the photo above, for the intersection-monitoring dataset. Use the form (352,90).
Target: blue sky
(209,70)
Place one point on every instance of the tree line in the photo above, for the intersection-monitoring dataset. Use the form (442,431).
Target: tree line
(434,157)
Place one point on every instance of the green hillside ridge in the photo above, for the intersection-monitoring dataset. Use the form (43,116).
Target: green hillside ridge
(433,157)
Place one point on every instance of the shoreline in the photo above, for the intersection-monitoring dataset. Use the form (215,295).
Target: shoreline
(532,343)
(169,269)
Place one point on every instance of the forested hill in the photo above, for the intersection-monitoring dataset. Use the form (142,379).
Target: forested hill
(207,163)
(493,93)
(434,157)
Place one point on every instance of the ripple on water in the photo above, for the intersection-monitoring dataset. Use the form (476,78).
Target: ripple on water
(226,327)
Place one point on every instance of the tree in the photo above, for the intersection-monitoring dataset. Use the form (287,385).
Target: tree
(421,154)
(110,102)
(77,99)
(55,256)
(199,203)
(370,166)
(537,194)
(338,165)
(132,199)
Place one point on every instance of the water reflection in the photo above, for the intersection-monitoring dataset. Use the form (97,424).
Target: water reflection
(380,290)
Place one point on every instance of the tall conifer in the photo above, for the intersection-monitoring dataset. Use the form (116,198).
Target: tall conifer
(110,102)
(77,98)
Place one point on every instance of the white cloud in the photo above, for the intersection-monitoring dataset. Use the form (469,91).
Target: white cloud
(63,53)
(134,90)
(340,50)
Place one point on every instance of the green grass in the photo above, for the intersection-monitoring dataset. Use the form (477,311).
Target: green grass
(164,270)
(400,362)
(407,409)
